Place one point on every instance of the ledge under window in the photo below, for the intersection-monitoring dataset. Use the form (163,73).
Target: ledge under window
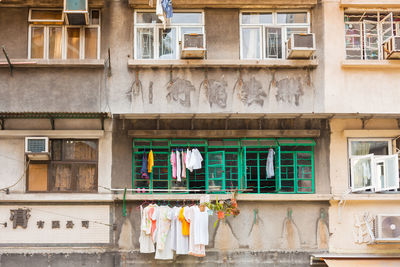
(241,197)
(287,64)
(368,64)
(53,63)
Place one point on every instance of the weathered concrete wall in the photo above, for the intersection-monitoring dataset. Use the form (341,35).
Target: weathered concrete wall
(262,227)
(50,90)
(97,232)
(226,45)
(344,222)
(105,259)
(14,32)
(260,91)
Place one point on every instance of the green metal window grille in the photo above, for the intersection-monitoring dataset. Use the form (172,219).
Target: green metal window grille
(229,164)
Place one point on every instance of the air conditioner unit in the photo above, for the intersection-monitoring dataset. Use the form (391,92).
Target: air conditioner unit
(387,228)
(300,46)
(193,45)
(37,148)
(391,48)
(76,12)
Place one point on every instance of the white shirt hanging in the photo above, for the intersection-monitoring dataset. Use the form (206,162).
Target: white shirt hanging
(196,159)
(178,166)
(270,163)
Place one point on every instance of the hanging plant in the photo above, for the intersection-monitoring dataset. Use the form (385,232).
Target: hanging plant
(224,208)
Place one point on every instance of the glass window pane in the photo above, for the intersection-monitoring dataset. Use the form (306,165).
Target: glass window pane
(293,17)
(73,43)
(55,42)
(251,43)
(371,38)
(37,42)
(145,40)
(360,148)
(80,150)
(147,17)
(362,172)
(273,40)
(46,14)
(167,43)
(185,18)
(291,30)
(256,18)
(91,43)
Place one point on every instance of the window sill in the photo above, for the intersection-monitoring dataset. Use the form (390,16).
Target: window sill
(209,63)
(54,63)
(376,64)
(394,196)
(241,197)
(56,197)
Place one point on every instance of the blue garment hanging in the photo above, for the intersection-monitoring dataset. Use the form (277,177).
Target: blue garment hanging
(167,6)
(143,172)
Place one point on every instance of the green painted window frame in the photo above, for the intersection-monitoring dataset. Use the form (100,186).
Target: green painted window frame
(227,166)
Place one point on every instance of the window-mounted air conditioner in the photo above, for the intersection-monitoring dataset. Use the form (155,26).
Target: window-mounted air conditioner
(76,12)
(193,45)
(37,148)
(301,46)
(387,228)
(391,48)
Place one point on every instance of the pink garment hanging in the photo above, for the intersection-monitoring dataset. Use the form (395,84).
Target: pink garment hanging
(183,165)
(173,164)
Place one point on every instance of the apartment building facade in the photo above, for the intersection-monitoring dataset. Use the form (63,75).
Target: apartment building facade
(103,87)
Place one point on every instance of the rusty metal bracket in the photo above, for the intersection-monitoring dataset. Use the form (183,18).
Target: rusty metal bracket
(365,121)
(10,65)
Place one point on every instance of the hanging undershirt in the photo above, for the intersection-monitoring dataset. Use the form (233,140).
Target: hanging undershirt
(188,158)
(163,249)
(194,250)
(183,164)
(180,242)
(145,240)
(173,164)
(178,166)
(270,163)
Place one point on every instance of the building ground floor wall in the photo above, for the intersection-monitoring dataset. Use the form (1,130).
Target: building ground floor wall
(128,259)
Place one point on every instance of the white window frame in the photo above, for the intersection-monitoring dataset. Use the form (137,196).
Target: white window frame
(46,24)
(274,24)
(372,169)
(46,20)
(378,12)
(383,159)
(157,26)
(375,160)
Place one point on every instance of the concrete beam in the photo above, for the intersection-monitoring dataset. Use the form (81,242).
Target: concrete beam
(231,3)
(53,133)
(222,133)
(369,3)
(53,63)
(45,3)
(287,64)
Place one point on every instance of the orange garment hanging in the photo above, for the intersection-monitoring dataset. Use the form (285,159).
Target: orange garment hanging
(185,224)
(150,162)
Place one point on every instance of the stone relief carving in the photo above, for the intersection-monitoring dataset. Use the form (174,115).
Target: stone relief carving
(179,91)
(289,90)
(250,92)
(215,91)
